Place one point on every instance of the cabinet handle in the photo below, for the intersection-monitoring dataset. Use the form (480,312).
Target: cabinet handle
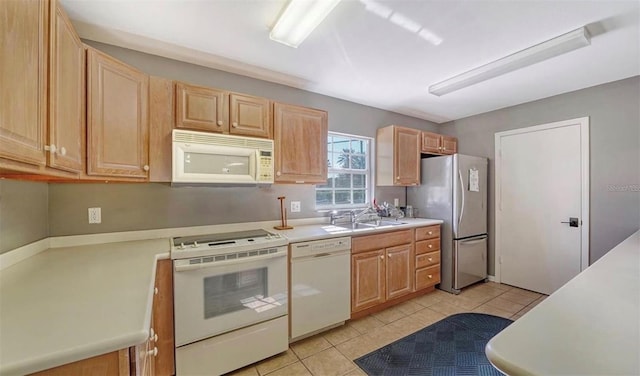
(145,167)
(155,291)
(381,257)
(153,352)
(430,276)
(63,151)
(430,233)
(397,177)
(430,245)
(235,125)
(389,256)
(430,259)
(51,148)
(153,336)
(278,173)
(219,123)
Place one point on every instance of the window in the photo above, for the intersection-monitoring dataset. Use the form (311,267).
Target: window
(349,172)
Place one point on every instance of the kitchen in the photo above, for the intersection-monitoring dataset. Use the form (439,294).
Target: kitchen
(33,211)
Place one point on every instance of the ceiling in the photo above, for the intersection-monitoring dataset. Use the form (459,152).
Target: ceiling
(359,56)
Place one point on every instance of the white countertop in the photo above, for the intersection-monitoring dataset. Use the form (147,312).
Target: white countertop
(327,231)
(68,304)
(590,326)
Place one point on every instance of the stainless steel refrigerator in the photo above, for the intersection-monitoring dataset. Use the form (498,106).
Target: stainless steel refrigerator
(454,188)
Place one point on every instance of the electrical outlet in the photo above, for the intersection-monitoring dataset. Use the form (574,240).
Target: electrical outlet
(95,215)
(295,206)
(396,202)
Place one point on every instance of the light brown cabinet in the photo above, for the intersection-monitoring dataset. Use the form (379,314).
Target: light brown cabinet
(111,364)
(397,156)
(23,74)
(213,110)
(67,93)
(118,119)
(382,268)
(42,129)
(163,320)
(427,249)
(300,143)
(433,143)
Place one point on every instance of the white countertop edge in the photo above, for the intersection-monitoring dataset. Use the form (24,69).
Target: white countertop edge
(14,256)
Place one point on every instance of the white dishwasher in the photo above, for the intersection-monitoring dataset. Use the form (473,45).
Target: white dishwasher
(320,285)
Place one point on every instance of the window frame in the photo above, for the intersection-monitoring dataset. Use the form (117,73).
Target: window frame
(369,173)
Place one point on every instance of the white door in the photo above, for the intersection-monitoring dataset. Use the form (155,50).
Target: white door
(542,177)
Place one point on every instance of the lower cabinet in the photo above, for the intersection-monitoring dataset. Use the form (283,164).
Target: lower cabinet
(391,267)
(381,268)
(427,256)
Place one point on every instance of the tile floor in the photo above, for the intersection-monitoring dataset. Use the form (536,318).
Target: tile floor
(332,353)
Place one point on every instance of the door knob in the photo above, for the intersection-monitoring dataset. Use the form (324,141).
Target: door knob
(573,222)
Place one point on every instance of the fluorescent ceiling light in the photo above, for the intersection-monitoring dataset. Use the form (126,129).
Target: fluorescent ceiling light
(299,19)
(553,47)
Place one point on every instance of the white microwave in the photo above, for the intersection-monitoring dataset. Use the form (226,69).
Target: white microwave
(211,158)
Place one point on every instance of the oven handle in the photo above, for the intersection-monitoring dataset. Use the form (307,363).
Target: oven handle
(184,268)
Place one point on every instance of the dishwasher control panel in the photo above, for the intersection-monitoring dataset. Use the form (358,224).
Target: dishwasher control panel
(314,247)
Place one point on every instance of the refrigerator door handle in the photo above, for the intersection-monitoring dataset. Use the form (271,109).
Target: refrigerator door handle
(461,206)
(474,241)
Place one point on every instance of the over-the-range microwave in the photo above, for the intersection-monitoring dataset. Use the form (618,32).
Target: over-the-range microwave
(211,158)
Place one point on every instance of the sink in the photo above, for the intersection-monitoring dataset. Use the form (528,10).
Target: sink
(369,225)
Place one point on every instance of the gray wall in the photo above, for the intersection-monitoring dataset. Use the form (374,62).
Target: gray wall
(147,206)
(24,213)
(614,113)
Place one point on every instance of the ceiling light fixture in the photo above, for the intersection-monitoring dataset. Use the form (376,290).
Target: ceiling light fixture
(553,47)
(299,19)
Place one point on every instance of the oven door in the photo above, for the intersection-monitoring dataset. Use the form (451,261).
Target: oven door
(213,297)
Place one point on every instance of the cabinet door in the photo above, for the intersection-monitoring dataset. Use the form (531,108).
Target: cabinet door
(66,94)
(250,116)
(23,78)
(300,141)
(430,143)
(163,319)
(449,145)
(201,108)
(118,126)
(406,151)
(399,271)
(367,280)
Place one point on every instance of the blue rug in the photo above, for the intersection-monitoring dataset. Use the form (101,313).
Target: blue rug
(452,346)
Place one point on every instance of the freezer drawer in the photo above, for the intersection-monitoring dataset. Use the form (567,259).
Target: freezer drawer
(470,261)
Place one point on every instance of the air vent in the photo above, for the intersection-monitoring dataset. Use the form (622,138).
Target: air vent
(221,139)
(232,256)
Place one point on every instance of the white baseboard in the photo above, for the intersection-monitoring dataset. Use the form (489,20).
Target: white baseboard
(14,256)
(491,278)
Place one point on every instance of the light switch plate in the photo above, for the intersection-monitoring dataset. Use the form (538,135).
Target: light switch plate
(295,206)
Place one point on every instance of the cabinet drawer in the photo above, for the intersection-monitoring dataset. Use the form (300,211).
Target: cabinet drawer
(427,277)
(427,259)
(380,241)
(428,232)
(425,246)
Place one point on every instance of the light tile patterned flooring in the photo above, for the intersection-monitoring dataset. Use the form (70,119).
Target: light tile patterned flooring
(332,353)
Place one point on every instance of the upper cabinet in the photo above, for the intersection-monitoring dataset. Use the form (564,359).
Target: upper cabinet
(300,140)
(433,143)
(214,110)
(66,94)
(43,129)
(118,120)
(397,156)
(250,116)
(201,108)
(23,77)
